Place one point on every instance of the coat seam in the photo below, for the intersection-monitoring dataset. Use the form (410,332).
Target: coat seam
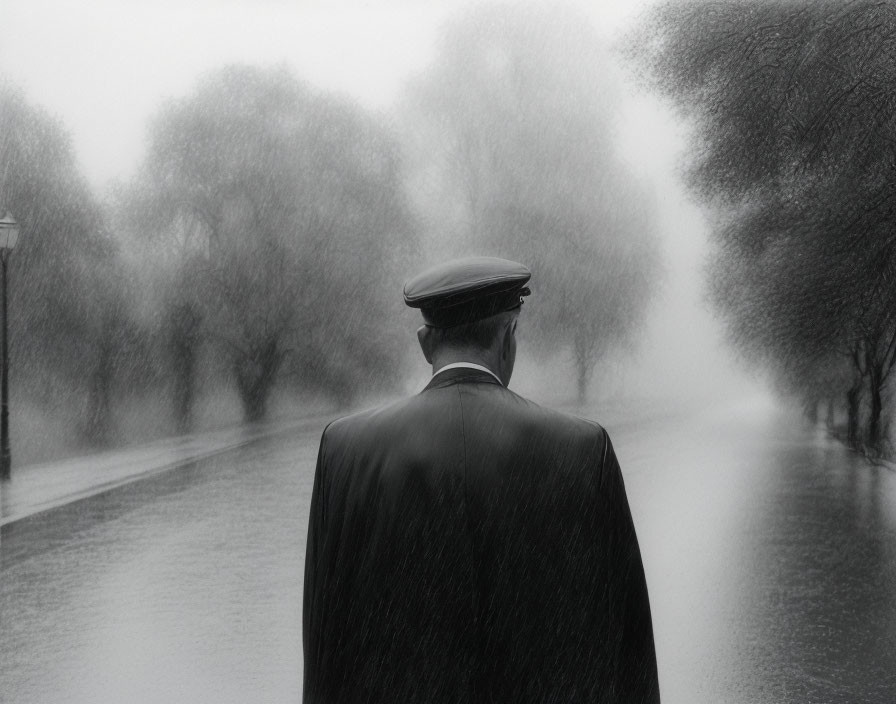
(463,435)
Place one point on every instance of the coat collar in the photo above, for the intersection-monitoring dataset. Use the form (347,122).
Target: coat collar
(461,375)
(470,365)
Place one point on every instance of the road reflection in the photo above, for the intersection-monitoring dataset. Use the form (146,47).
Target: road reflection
(184,587)
(821,608)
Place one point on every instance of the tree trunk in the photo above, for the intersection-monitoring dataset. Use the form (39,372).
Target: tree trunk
(184,341)
(874,425)
(853,399)
(811,411)
(99,411)
(830,418)
(582,353)
(255,375)
(184,388)
(582,381)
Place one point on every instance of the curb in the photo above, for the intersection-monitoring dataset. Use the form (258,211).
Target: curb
(95,489)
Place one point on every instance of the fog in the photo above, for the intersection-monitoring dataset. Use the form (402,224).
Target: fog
(105,69)
(212,269)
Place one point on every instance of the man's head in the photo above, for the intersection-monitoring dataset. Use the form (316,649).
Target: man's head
(470,307)
(490,342)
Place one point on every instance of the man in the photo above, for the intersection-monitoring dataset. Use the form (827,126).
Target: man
(465,544)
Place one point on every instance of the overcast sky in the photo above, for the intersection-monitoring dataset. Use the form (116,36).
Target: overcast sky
(103,67)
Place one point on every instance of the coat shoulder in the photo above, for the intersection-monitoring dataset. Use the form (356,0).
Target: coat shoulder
(562,422)
(369,421)
(498,406)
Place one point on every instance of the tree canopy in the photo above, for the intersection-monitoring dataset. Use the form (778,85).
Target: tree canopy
(513,127)
(285,204)
(793,109)
(63,269)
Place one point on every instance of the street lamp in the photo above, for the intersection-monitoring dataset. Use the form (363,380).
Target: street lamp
(9,235)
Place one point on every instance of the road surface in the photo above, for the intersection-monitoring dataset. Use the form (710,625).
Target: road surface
(770,554)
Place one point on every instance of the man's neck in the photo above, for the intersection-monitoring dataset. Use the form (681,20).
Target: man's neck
(447,357)
(467,365)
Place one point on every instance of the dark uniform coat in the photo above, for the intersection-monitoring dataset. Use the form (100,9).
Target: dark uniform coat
(468,545)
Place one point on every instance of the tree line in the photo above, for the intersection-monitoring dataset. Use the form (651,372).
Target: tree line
(262,241)
(793,110)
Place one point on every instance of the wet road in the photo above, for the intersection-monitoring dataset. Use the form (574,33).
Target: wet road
(770,555)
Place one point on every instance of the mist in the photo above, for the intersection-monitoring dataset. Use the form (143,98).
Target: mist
(217,205)
(106,72)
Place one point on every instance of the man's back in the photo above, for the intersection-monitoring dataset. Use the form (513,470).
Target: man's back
(467,545)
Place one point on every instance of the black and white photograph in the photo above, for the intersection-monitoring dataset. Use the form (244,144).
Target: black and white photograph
(448,351)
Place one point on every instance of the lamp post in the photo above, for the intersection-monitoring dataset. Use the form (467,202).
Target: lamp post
(9,235)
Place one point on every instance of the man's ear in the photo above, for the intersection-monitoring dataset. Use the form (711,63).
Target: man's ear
(424,337)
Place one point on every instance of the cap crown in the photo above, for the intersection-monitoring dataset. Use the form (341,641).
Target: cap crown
(466,290)
(461,280)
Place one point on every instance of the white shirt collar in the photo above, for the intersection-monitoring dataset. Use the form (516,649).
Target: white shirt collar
(467,365)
